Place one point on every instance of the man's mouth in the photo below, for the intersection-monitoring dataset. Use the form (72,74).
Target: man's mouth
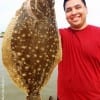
(75,18)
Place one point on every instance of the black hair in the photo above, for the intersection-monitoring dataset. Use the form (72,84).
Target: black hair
(84,2)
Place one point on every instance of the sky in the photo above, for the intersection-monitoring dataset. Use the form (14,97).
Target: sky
(8,9)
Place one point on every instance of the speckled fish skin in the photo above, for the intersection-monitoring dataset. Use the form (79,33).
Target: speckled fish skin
(31,46)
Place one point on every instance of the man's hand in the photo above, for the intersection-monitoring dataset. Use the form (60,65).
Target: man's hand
(51,98)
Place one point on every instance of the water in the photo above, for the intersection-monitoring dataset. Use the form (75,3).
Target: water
(9,91)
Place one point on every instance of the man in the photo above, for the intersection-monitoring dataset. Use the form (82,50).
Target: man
(79,70)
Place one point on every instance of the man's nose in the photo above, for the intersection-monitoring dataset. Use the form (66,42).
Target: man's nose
(74,11)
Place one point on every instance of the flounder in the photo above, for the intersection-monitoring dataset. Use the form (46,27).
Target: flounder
(31,46)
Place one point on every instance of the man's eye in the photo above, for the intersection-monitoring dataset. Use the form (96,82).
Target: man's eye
(77,6)
(68,10)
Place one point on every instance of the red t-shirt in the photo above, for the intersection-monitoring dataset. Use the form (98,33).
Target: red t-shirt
(79,70)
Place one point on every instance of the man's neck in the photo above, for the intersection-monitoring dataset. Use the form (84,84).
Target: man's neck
(79,28)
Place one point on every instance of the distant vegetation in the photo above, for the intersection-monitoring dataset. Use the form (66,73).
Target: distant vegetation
(1,34)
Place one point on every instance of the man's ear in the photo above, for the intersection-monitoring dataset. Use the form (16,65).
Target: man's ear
(86,10)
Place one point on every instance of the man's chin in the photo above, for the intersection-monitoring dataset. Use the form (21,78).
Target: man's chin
(76,26)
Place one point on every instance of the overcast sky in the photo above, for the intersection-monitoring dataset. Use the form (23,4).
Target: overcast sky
(9,7)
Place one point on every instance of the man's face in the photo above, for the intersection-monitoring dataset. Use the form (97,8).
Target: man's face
(76,13)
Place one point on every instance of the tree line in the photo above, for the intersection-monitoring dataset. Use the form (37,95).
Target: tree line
(1,34)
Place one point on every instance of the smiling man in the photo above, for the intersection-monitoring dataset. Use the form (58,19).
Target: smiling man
(79,70)
(76,12)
